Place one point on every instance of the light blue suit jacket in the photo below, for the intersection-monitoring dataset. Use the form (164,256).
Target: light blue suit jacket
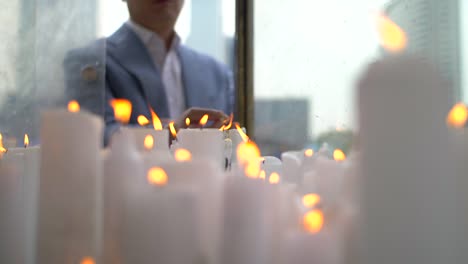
(131,74)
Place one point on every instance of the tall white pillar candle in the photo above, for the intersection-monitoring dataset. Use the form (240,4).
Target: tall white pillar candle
(70,177)
(408,182)
(203,144)
(161,138)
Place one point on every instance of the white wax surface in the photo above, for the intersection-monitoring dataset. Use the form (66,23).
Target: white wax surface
(408,182)
(123,167)
(12,222)
(160,225)
(302,248)
(247,222)
(161,138)
(206,179)
(70,178)
(203,144)
(291,166)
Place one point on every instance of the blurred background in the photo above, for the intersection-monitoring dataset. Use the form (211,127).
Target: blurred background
(307,57)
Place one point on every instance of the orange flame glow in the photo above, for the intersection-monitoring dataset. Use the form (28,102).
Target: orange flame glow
(142,120)
(262,175)
(229,125)
(157,177)
(310,200)
(87,260)
(2,149)
(73,106)
(458,116)
(26,140)
(392,37)
(122,110)
(172,129)
(187,122)
(309,153)
(339,155)
(157,124)
(222,128)
(244,137)
(204,120)
(313,221)
(274,178)
(149,142)
(183,155)
(248,155)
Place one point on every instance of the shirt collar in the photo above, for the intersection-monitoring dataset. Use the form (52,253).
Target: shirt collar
(147,36)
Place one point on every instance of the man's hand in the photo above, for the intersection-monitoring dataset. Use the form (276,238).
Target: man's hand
(216,118)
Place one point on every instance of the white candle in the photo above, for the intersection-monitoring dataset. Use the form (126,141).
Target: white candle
(304,248)
(12,246)
(292,161)
(206,179)
(123,165)
(236,140)
(160,224)
(408,207)
(70,177)
(161,138)
(272,165)
(247,222)
(203,144)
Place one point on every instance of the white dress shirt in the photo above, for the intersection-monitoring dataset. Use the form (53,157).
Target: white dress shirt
(168,64)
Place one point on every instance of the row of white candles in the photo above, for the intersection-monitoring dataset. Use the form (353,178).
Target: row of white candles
(399,197)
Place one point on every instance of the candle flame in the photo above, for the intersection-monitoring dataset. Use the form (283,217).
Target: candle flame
(274,178)
(142,120)
(157,177)
(458,116)
(262,175)
(87,260)
(172,129)
(204,120)
(26,140)
(222,128)
(244,137)
(187,122)
(313,221)
(73,106)
(339,155)
(392,37)
(182,155)
(157,124)
(310,200)
(229,125)
(149,142)
(122,110)
(2,149)
(309,153)
(248,155)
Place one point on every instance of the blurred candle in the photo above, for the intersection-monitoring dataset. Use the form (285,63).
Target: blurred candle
(123,165)
(70,177)
(406,163)
(203,144)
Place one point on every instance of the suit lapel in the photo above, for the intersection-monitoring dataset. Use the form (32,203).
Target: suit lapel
(125,47)
(190,77)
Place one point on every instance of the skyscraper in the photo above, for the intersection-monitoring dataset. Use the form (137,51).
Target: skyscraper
(433,30)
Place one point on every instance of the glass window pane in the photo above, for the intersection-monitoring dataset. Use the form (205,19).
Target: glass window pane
(308,56)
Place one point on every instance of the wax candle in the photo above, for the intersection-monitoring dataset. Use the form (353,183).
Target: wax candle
(70,176)
(292,161)
(123,164)
(408,182)
(160,222)
(247,222)
(206,179)
(203,144)
(12,221)
(272,165)
(161,138)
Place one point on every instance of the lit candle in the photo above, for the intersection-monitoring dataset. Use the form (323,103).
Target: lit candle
(69,180)
(203,144)
(160,222)
(206,178)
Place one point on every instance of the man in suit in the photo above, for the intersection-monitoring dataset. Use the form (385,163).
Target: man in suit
(147,64)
